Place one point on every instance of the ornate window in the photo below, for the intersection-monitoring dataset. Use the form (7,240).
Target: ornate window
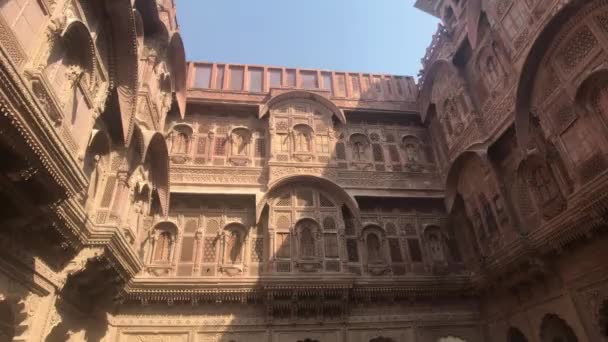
(322,143)
(180,138)
(411,145)
(331,245)
(302,139)
(360,145)
(374,249)
(434,240)
(240,139)
(163,243)
(234,244)
(374,242)
(307,231)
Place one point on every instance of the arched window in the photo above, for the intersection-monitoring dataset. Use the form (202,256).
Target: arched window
(555,329)
(374,249)
(360,146)
(307,230)
(411,145)
(163,242)
(240,140)
(162,250)
(70,70)
(234,242)
(180,139)
(435,243)
(302,139)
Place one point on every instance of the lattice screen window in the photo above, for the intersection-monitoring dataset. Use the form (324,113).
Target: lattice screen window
(304,198)
(201,145)
(324,201)
(213,227)
(283,222)
(322,144)
(209,249)
(257,252)
(331,245)
(378,153)
(260,148)
(329,223)
(395,250)
(219,146)
(413,246)
(284,201)
(391,229)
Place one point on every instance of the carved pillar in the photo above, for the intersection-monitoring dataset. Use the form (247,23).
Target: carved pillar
(198,251)
(121,195)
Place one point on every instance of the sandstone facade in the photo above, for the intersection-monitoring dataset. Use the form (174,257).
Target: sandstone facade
(147,198)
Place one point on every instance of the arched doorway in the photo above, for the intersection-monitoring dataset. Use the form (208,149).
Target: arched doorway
(515,335)
(555,329)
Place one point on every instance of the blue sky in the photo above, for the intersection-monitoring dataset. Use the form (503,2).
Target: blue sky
(381,36)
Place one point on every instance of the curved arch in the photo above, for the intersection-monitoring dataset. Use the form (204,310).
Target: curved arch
(166,226)
(322,182)
(358,134)
(177,64)
(451,186)
(427,87)
(554,327)
(153,26)
(588,86)
(515,335)
(369,226)
(78,32)
(543,42)
(126,82)
(156,153)
(182,126)
(302,94)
